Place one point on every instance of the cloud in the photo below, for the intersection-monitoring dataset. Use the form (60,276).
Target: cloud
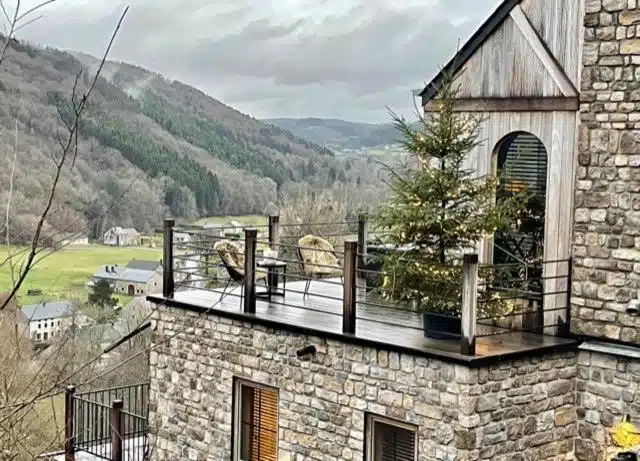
(325,58)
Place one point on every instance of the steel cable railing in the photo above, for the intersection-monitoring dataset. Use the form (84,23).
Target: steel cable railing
(281,277)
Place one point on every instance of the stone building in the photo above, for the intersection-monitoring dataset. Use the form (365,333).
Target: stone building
(137,278)
(330,405)
(558,85)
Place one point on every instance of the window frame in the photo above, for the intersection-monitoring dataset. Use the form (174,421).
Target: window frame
(369,433)
(236,423)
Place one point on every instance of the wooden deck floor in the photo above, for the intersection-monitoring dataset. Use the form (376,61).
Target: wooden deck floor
(321,310)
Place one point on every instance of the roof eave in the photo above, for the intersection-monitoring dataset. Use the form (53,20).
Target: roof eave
(469,48)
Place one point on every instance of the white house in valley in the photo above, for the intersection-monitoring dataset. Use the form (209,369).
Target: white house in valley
(118,236)
(49,319)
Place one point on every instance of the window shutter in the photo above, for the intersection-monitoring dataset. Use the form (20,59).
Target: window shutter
(393,443)
(266,409)
(259,425)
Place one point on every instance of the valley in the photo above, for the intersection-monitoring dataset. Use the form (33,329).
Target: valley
(146,147)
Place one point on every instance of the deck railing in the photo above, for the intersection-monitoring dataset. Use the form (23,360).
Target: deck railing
(536,293)
(110,424)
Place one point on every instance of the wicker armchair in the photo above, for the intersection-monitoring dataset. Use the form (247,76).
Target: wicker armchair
(318,259)
(232,257)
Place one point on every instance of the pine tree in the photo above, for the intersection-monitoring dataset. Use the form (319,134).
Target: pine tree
(438,206)
(102,294)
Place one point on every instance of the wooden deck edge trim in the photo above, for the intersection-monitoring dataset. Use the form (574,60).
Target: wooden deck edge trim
(534,104)
(469,361)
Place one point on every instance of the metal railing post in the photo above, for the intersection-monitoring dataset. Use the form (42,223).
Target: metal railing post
(350,285)
(469,316)
(168,280)
(274,231)
(116,430)
(249,288)
(69,440)
(565,329)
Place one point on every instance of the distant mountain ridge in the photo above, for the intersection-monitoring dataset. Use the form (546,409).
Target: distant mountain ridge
(339,134)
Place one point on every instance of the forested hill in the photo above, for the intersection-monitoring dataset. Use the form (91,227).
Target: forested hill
(339,134)
(147,146)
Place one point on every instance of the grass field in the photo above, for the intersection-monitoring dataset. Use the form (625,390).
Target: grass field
(64,273)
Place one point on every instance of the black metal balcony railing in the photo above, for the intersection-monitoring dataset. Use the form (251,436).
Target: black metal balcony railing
(110,424)
(350,295)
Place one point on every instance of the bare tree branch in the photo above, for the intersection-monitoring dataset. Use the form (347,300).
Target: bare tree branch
(13,172)
(72,135)
(15,25)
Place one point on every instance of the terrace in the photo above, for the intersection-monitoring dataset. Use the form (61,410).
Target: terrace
(348,302)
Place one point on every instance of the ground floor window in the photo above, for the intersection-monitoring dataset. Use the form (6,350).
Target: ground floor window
(255,422)
(390,440)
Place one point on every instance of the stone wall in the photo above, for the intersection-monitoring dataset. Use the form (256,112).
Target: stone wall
(606,249)
(607,390)
(522,410)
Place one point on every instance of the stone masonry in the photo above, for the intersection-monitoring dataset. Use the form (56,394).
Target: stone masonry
(606,249)
(520,410)
(608,389)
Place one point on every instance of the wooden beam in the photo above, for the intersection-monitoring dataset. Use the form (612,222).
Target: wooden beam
(535,104)
(469,315)
(117,433)
(249,282)
(168,279)
(349,288)
(542,51)
(69,418)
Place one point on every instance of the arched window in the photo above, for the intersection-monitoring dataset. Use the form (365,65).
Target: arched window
(521,163)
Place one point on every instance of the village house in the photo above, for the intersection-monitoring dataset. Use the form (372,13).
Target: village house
(75,240)
(137,278)
(181,238)
(48,320)
(557,83)
(214,229)
(118,236)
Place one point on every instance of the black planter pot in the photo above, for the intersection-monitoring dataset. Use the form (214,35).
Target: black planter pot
(439,326)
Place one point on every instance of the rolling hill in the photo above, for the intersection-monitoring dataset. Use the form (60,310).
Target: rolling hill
(339,134)
(147,146)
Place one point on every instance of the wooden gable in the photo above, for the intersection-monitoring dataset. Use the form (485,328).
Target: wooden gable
(526,50)
(559,24)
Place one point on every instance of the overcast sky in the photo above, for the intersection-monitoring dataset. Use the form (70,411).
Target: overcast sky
(344,59)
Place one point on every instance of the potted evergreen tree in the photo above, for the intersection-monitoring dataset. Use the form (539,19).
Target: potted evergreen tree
(439,208)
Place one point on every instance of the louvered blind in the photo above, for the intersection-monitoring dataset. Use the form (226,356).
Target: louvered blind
(393,443)
(258,424)
(524,165)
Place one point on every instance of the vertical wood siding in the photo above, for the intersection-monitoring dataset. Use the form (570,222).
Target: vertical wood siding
(556,130)
(559,23)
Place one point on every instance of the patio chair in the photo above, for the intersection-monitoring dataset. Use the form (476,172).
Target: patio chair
(232,257)
(318,259)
